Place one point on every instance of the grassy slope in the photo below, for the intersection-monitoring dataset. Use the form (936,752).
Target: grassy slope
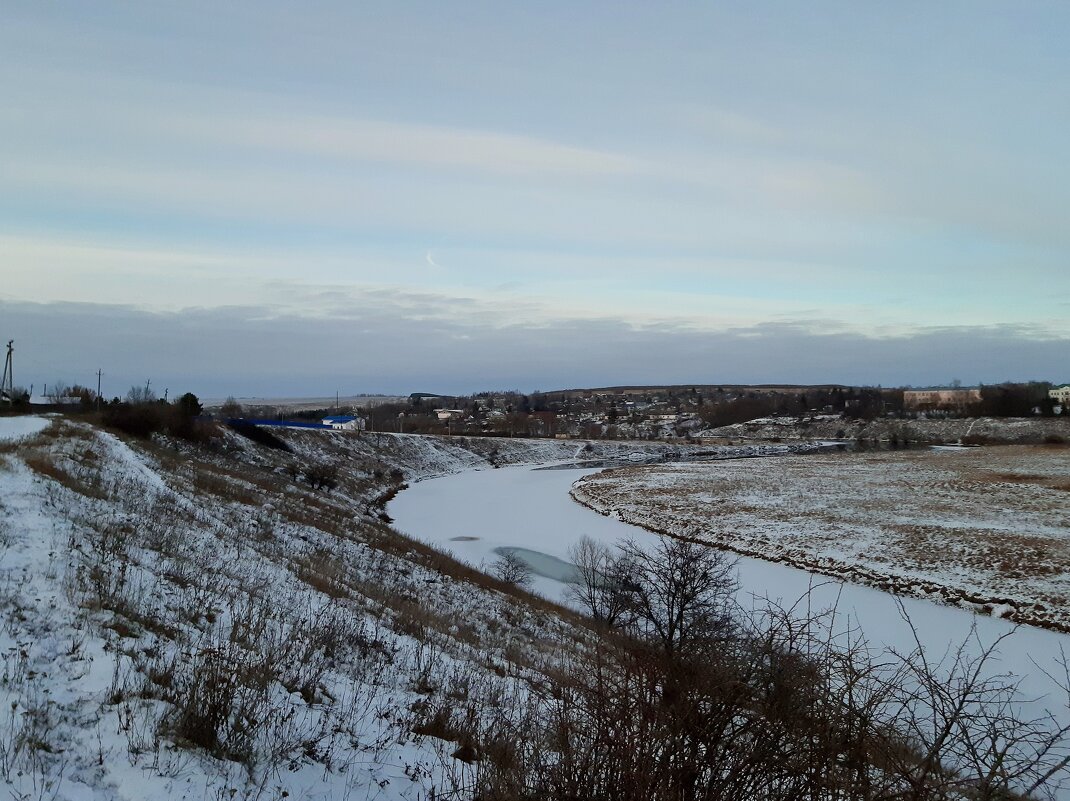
(187,621)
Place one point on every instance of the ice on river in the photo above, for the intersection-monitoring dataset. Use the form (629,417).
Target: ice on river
(473,514)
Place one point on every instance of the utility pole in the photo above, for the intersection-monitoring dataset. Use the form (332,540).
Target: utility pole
(99,374)
(7,383)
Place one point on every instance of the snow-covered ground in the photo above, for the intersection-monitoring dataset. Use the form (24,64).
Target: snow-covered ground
(824,426)
(986,528)
(16,428)
(185,622)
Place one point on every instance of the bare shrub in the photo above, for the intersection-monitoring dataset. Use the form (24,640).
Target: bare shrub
(322,570)
(68,475)
(600,578)
(322,476)
(777,708)
(511,568)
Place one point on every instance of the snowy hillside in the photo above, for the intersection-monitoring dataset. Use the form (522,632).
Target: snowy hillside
(197,623)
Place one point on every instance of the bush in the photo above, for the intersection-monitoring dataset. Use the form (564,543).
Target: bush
(512,569)
(142,420)
(322,476)
(137,419)
(776,710)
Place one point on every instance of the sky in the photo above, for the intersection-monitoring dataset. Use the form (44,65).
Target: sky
(282,199)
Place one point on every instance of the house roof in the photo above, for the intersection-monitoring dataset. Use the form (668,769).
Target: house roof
(339,418)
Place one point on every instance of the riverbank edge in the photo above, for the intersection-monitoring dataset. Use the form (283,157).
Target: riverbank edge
(1006,608)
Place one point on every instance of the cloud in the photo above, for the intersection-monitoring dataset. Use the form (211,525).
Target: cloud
(390,142)
(396,342)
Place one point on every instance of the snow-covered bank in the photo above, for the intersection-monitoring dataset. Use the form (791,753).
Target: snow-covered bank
(984,528)
(471,514)
(199,620)
(823,426)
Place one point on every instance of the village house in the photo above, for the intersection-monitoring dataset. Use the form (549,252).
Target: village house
(450,414)
(1060,395)
(947,399)
(344,422)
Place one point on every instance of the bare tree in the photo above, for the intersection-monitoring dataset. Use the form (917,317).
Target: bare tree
(58,392)
(322,476)
(512,569)
(231,408)
(678,593)
(138,395)
(790,707)
(970,731)
(599,584)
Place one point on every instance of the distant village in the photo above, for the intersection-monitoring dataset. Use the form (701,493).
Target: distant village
(689,413)
(681,412)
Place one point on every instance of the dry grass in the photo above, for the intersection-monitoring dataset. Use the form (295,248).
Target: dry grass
(1050,482)
(45,465)
(979,527)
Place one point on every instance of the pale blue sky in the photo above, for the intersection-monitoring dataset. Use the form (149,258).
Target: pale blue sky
(864,177)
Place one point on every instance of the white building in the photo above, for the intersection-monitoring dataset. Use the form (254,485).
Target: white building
(344,422)
(1060,395)
(953,398)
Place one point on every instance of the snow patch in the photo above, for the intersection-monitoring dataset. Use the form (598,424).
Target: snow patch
(13,429)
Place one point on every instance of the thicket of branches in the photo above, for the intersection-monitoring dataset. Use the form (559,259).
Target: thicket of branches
(688,698)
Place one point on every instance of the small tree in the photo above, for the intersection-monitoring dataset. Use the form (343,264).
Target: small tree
(59,392)
(512,569)
(678,594)
(189,405)
(231,408)
(600,578)
(322,476)
(138,395)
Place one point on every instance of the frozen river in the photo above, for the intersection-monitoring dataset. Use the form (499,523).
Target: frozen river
(471,514)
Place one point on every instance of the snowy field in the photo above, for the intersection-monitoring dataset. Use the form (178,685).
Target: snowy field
(984,528)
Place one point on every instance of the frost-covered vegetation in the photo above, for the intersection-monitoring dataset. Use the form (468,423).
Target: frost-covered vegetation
(229,618)
(966,430)
(984,528)
(187,620)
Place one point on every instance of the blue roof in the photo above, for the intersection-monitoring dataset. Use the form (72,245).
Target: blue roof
(281,423)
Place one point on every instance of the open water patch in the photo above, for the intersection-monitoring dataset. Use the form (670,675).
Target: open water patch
(542,564)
